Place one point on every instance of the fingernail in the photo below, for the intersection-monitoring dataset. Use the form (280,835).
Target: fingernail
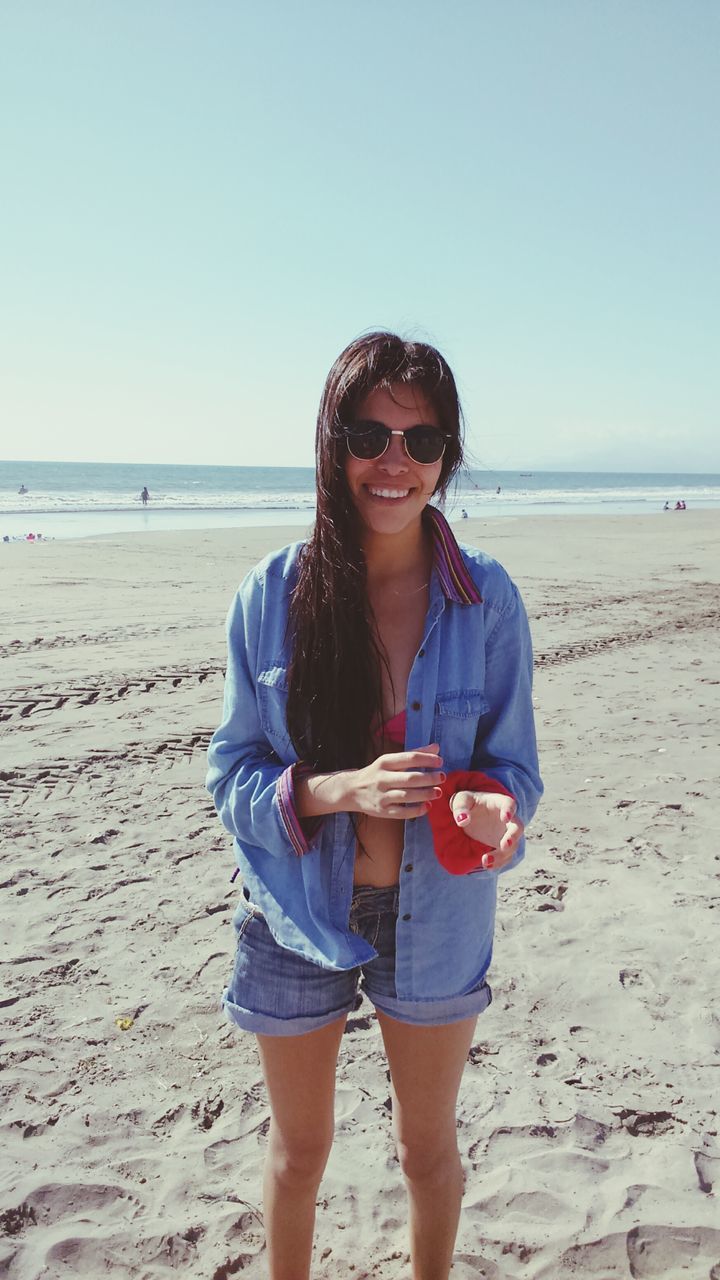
(461,817)
(443,777)
(488,861)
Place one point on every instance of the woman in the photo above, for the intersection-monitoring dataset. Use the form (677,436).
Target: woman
(366,667)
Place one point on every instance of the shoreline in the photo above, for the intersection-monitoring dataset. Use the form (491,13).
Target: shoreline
(76,524)
(473,531)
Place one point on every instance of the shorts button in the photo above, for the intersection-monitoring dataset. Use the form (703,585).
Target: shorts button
(408,866)
(407,916)
(421,653)
(416,706)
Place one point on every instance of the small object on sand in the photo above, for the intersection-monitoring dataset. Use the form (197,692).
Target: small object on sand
(124,1023)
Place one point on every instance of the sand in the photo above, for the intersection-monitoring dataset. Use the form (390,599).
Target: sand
(134,1119)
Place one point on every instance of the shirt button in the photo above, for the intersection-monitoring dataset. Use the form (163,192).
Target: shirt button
(421,653)
(407,916)
(409,866)
(416,706)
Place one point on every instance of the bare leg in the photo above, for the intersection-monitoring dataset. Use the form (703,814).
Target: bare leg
(426,1066)
(300,1078)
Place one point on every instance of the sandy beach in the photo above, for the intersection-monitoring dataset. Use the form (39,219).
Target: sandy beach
(134,1118)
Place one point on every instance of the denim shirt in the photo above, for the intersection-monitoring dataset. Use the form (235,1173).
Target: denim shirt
(469,690)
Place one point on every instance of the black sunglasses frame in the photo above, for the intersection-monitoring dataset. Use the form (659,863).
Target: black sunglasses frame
(367,428)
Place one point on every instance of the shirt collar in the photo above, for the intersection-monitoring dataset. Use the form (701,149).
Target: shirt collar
(454,575)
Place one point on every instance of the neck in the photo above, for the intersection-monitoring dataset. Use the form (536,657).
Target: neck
(398,557)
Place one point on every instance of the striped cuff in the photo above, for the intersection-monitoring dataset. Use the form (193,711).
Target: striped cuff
(299,830)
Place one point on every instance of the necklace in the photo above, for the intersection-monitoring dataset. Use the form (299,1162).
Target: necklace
(414,591)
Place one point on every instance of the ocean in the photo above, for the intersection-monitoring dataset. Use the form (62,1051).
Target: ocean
(69,499)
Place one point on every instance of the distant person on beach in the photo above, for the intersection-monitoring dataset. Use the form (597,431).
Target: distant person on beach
(464,514)
(680,506)
(22,489)
(666,507)
(145,497)
(376,747)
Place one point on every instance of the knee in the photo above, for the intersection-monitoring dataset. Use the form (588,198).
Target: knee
(298,1159)
(429,1158)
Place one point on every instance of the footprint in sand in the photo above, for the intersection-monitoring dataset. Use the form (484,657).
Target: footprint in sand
(669,1251)
(645,1253)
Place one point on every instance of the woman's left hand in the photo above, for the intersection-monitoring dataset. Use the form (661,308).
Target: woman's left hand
(491,819)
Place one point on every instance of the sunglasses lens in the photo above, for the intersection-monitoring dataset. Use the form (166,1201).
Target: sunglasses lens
(425,444)
(367,442)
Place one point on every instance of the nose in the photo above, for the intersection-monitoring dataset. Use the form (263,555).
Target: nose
(395,460)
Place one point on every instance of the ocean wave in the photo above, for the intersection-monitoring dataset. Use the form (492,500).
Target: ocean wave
(476,501)
(86,503)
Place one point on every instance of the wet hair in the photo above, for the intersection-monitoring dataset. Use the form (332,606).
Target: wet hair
(334,680)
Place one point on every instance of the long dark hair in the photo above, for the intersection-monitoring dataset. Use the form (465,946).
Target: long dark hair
(335,689)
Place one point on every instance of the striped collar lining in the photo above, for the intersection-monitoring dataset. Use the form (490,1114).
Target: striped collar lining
(454,575)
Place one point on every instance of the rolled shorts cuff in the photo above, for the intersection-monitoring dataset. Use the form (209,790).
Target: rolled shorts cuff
(266,1024)
(435,1013)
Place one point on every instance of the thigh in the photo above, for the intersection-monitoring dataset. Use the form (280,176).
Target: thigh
(426,1067)
(299,1076)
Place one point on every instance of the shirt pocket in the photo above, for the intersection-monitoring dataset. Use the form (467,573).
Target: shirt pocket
(272,695)
(457,714)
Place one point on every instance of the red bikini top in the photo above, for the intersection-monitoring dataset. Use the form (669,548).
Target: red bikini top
(394,730)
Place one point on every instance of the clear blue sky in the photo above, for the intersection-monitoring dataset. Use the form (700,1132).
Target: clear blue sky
(204,202)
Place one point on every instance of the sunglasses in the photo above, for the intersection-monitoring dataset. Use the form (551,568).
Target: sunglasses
(367,441)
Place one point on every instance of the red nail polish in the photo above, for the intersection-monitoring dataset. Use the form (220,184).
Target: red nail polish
(461,817)
(489,861)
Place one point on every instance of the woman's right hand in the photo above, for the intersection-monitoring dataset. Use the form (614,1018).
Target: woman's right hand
(402,784)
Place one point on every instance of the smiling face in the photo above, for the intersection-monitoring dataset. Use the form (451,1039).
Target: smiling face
(390,492)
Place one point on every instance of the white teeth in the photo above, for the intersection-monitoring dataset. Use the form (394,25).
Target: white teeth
(388,493)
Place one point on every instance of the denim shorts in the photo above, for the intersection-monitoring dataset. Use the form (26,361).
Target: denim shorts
(277,992)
